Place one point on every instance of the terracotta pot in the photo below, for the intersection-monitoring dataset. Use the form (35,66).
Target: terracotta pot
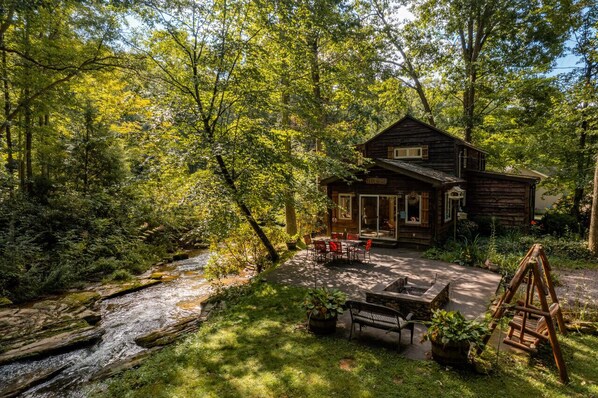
(322,326)
(454,354)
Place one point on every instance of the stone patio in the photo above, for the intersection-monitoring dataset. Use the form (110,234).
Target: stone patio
(471,290)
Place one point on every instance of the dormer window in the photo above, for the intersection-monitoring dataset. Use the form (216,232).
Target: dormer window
(415,152)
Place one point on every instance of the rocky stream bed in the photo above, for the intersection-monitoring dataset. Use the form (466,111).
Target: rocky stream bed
(52,347)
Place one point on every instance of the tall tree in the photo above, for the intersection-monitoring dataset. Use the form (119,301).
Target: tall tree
(44,46)
(489,39)
(405,49)
(204,56)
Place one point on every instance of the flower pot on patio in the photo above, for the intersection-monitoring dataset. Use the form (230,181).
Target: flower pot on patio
(454,354)
(321,326)
(323,306)
(451,336)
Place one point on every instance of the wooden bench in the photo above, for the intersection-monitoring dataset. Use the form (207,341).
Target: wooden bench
(378,316)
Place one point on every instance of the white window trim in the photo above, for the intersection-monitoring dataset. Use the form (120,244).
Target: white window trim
(419,149)
(407,211)
(448,205)
(349,210)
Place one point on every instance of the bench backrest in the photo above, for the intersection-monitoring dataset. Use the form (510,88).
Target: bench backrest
(374,308)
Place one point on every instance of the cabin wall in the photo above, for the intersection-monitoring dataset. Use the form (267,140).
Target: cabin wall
(510,201)
(471,159)
(441,149)
(424,234)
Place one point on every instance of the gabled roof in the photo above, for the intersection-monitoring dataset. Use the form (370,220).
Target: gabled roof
(434,177)
(457,140)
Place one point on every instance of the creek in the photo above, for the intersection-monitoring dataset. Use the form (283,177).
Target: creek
(123,319)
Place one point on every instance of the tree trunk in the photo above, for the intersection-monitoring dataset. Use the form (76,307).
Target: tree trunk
(245,210)
(88,130)
(582,160)
(11,166)
(289,201)
(593,234)
(316,87)
(469,103)
(28,128)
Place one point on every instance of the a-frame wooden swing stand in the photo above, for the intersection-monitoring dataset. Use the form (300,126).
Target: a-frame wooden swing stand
(533,324)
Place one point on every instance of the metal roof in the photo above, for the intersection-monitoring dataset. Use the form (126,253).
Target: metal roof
(434,177)
(418,172)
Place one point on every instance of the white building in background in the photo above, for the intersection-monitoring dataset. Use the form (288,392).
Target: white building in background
(544,201)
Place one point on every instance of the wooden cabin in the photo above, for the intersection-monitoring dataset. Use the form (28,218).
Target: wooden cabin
(416,179)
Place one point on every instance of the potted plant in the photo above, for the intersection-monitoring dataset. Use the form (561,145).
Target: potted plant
(452,336)
(323,306)
(291,241)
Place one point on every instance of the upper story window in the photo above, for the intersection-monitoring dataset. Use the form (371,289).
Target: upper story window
(408,153)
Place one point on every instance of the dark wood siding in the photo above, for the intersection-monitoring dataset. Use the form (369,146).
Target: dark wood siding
(396,184)
(507,200)
(409,133)
(475,159)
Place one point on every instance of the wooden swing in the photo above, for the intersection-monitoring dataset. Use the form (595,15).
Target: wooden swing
(531,325)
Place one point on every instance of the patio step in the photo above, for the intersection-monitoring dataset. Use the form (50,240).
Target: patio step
(384,243)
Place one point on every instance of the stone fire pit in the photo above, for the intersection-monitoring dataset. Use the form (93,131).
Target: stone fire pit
(407,297)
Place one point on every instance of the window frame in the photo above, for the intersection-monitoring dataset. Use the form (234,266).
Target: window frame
(349,210)
(448,208)
(419,218)
(419,149)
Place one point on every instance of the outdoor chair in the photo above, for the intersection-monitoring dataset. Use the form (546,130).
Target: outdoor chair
(320,250)
(336,250)
(352,236)
(366,251)
(337,235)
(309,246)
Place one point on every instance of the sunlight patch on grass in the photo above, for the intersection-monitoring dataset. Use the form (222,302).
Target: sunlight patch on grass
(255,348)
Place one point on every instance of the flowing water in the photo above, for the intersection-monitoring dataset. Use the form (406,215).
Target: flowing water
(123,319)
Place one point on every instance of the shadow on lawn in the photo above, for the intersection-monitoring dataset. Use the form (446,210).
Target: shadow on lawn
(259,348)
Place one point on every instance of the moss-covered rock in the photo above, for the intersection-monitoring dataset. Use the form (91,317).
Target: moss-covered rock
(5,301)
(85,299)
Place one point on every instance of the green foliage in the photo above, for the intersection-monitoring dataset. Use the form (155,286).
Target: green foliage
(257,347)
(121,275)
(471,252)
(487,226)
(49,247)
(451,326)
(323,303)
(559,224)
(242,250)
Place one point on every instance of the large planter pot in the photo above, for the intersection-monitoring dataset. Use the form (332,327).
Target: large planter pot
(292,245)
(322,326)
(454,354)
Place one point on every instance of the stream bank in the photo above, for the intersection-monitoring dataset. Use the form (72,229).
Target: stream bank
(164,302)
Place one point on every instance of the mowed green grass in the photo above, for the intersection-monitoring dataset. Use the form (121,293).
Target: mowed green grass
(258,347)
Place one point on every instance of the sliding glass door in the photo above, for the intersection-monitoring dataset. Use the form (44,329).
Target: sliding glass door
(378,216)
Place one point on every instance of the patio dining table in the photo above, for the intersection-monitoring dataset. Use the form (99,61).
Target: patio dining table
(347,245)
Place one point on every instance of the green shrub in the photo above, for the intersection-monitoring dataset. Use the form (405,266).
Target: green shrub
(559,224)
(485,226)
(121,275)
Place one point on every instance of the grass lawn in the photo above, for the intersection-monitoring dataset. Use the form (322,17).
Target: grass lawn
(258,347)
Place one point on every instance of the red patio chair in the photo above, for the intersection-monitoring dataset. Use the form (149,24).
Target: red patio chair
(352,236)
(336,249)
(337,235)
(366,250)
(320,250)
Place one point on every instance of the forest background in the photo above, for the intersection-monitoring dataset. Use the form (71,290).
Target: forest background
(134,128)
